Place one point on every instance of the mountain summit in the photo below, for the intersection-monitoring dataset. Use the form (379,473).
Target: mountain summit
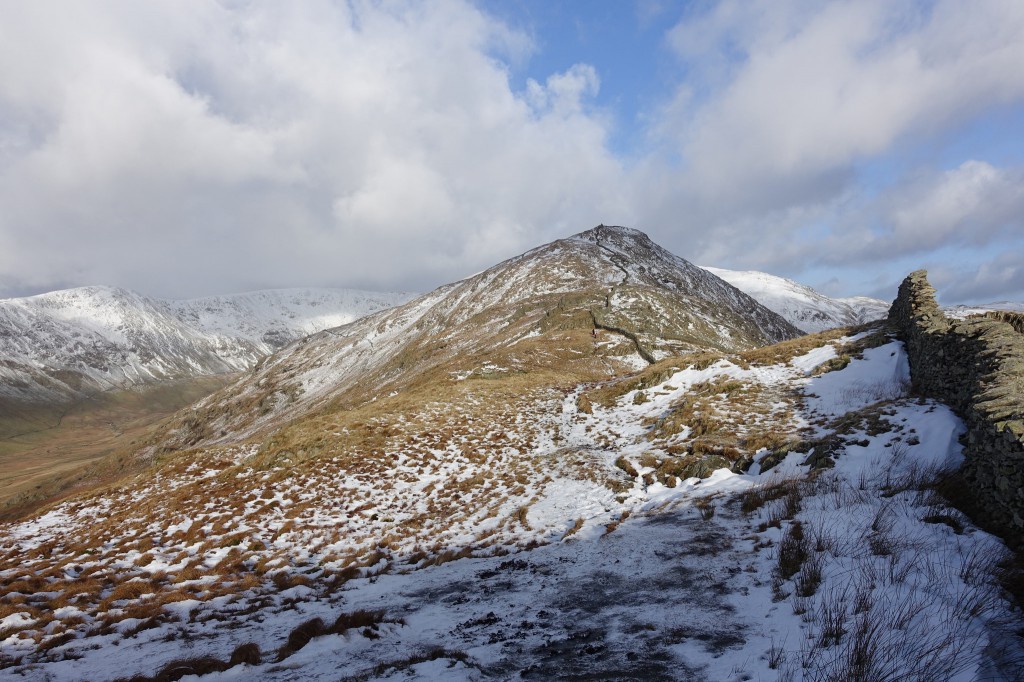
(590,306)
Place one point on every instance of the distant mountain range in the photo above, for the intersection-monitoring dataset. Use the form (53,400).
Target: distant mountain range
(961,311)
(802,306)
(66,344)
(70,343)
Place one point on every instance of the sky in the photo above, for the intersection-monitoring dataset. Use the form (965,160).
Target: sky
(184,148)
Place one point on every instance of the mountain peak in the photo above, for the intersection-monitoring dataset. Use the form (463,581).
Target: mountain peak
(597,304)
(603,231)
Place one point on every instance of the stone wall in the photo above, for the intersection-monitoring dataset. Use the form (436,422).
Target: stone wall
(976,366)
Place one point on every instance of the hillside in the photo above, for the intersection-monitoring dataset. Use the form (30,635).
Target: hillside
(800,305)
(590,306)
(69,344)
(86,372)
(567,542)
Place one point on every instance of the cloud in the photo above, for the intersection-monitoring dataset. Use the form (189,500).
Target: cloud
(815,90)
(970,204)
(1002,278)
(194,147)
(185,148)
(788,99)
(564,93)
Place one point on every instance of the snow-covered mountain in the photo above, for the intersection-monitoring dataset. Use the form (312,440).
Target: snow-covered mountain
(961,311)
(631,302)
(800,305)
(65,344)
(582,463)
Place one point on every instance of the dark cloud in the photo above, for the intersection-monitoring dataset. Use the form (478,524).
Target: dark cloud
(1001,279)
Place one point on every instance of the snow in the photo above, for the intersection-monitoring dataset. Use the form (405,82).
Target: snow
(578,561)
(115,338)
(800,305)
(883,374)
(19,620)
(959,312)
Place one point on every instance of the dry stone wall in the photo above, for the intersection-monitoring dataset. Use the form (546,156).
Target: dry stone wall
(976,366)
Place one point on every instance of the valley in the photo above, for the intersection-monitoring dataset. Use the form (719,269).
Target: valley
(44,449)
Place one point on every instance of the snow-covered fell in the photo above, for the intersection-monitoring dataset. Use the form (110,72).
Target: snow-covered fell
(476,485)
(959,312)
(614,280)
(73,342)
(800,305)
(275,317)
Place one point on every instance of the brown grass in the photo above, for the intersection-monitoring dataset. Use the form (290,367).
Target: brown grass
(133,589)
(190,572)
(576,526)
(610,528)
(47,453)
(754,498)
(787,350)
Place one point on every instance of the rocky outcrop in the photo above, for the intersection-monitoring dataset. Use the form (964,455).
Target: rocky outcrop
(975,365)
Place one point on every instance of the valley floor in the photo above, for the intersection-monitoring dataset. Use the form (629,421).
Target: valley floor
(45,448)
(854,569)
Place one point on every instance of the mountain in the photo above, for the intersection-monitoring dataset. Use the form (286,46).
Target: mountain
(588,462)
(771,514)
(802,306)
(962,311)
(67,344)
(591,305)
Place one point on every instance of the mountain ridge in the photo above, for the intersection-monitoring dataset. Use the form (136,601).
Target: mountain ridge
(617,300)
(494,481)
(805,308)
(66,344)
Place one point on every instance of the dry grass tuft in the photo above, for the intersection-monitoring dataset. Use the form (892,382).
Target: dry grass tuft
(301,636)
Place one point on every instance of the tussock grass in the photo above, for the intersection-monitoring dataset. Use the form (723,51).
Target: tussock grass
(756,497)
(787,350)
(607,393)
(433,654)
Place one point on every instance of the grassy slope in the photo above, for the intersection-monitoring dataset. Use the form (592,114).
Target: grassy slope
(337,494)
(45,450)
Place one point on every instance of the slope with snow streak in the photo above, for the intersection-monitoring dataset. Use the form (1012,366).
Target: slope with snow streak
(802,306)
(641,303)
(687,585)
(71,343)
(272,318)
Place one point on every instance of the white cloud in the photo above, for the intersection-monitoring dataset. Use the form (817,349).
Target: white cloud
(283,143)
(784,103)
(815,90)
(998,279)
(968,204)
(193,147)
(566,92)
